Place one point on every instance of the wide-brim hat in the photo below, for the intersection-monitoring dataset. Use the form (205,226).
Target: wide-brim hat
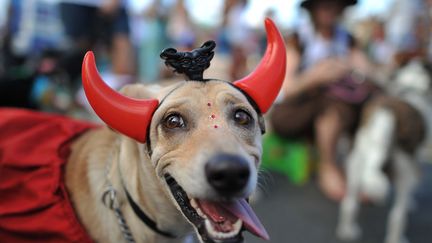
(307,4)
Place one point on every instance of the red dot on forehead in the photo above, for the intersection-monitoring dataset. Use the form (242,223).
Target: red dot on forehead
(215,126)
(209,104)
(213,116)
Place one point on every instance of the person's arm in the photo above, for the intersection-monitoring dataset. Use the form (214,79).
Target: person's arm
(295,83)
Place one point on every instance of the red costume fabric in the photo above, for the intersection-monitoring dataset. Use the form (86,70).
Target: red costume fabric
(34,203)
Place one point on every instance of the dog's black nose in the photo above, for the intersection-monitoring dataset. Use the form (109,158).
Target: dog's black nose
(227,174)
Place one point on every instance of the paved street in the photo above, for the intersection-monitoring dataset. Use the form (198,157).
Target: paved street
(295,214)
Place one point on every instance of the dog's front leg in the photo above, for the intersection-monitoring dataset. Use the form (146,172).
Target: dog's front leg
(348,228)
(371,147)
(406,179)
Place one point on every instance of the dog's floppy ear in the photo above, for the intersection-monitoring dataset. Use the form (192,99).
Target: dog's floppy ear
(264,83)
(128,116)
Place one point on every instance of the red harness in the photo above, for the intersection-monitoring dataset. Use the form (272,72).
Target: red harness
(34,203)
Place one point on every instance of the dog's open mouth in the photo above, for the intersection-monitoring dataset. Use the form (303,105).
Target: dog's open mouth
(217,221)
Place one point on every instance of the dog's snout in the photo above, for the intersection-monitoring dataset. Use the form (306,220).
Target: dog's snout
(227,174)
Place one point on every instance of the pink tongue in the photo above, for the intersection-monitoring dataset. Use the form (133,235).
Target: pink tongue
(240,209)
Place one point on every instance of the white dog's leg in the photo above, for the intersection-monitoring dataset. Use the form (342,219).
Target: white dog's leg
(348,228)
(364,170)
(406,179)
(377,145)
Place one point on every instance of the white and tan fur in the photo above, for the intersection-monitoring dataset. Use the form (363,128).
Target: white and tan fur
(374,146)
(104,156)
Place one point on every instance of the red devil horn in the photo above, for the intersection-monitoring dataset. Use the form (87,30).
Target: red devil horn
(264,83)
(128,116)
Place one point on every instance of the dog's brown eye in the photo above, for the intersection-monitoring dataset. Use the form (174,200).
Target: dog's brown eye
(174,121)
(242,118)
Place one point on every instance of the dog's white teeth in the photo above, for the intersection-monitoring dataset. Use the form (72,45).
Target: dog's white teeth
(194,203)
(200,213)
(237,225)
(223,235)
(209,228)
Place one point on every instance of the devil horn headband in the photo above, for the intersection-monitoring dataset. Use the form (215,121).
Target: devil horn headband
(132,117)
(128,116)
(264,83)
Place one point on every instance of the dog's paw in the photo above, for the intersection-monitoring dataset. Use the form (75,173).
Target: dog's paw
(348,232)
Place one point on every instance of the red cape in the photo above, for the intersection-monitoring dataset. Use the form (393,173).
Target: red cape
(34,203)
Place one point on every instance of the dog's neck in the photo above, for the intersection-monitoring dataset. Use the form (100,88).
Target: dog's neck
(100,158)
(136,174)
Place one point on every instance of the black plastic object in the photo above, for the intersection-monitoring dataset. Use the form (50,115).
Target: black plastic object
(192,64)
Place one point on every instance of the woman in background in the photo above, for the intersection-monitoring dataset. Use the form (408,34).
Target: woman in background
(321,97)
(89,22)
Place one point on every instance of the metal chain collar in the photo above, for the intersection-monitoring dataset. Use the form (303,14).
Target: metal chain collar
(109,199)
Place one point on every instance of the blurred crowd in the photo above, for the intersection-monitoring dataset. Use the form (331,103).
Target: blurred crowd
(42,43)
(39,36)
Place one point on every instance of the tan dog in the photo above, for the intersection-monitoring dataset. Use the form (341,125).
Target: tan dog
(194,168)
(181,152)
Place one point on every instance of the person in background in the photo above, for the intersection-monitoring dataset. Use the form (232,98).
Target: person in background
(31,33)
(149,21)
(238,36)
(407,29)
(180,28)
(86,22)
(322,59)
(380,50)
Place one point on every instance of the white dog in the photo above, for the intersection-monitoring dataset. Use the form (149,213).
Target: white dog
(394,132)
